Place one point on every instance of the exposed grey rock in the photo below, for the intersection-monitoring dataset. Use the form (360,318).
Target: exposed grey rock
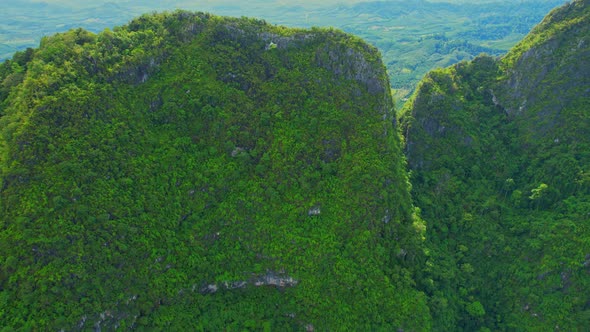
(237,151)
(387,217)
(209,289)
(314,211)
(271,278)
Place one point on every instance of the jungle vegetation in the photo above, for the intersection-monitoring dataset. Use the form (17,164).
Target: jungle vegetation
(187,171)
(414,36)
(499,153)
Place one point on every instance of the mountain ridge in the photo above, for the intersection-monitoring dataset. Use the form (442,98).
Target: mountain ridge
(188,171)
(429,35)
(197,172)
(498,153)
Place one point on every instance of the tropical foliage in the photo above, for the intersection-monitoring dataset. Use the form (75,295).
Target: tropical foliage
(413,36)
(499,154)
(193,172)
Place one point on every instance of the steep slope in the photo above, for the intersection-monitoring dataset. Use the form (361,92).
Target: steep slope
(191,172)
(499,153)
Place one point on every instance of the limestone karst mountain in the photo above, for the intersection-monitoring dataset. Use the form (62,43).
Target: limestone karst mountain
(193,172)
(499,151)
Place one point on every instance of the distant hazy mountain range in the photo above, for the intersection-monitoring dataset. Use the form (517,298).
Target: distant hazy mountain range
(413,36)
(193,172)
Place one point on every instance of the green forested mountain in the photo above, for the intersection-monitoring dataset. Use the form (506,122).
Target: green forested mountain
(413,36)
(499,152)
(192,172)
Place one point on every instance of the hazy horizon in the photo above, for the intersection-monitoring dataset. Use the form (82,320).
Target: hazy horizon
(412,36)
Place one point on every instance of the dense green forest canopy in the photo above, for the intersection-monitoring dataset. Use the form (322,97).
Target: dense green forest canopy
(499,152)
(413,36)
(193,172)
(188,171)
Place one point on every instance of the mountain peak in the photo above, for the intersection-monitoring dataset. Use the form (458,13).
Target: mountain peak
(189,171)
(499,153)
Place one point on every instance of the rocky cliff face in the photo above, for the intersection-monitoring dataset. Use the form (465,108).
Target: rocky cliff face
(191,172)
(546,73)
(499,154)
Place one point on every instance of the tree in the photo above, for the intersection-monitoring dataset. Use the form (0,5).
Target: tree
(538,194)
